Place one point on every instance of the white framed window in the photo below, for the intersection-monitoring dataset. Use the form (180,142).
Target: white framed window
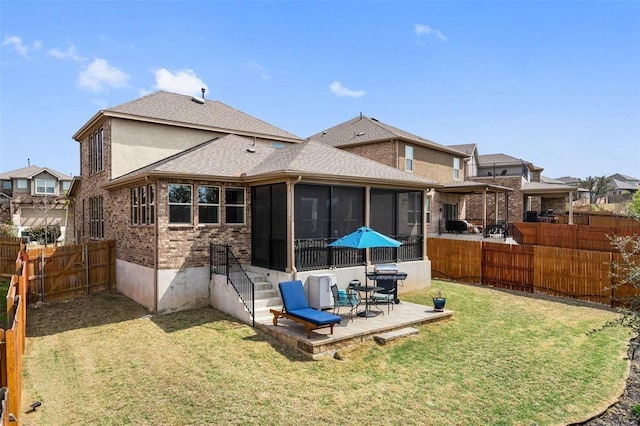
(45,186)
(408,158)
(22,184)
(66,185)
(427,208)
(180,203)
(234,206)
(209,204)
(456,167)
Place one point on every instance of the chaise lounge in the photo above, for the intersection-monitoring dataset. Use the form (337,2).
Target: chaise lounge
(296,308)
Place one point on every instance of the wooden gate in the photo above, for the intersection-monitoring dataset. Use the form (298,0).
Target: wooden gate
(67,272)
(508,266)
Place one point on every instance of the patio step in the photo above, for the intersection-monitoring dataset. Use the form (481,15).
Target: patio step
(266,298)
(395,334)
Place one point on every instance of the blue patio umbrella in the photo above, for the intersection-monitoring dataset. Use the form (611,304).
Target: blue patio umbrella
(364,238)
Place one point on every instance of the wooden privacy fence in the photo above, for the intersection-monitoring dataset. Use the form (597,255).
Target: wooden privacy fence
(12,344)
(581,237)
(63,273)
(9,249)
(578,274)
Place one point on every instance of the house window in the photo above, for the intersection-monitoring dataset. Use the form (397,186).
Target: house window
(142,205)
(456,168)
(180,203)
(135,206)
(408,158)
(209,204)
(234,205)
(96,151)
(45,186)
(414,213)
(22,184)
(151,205)
(427,208)
(96,217)
(6,184)
(66,185)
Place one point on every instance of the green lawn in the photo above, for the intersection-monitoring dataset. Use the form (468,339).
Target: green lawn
(502,359)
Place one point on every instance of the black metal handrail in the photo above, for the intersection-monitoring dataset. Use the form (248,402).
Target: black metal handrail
(224,262)
(313,253)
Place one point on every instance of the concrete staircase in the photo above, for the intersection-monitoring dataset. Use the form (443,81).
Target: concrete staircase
(266,298)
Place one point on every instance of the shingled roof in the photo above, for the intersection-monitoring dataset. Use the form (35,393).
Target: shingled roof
(31,171)
(234,157)
(364,130)
(186,111)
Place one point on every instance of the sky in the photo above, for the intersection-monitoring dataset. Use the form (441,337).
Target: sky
(555,83)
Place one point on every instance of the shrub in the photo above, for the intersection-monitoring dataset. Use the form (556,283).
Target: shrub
(39,233)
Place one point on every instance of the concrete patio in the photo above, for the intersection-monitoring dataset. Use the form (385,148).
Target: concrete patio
(348,332)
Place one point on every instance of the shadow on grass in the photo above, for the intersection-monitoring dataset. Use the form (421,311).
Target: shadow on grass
(84,312)
(286,351)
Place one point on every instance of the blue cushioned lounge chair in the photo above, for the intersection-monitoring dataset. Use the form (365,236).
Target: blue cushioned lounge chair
(296,307)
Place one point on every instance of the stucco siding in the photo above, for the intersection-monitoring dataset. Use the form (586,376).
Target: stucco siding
(136,144)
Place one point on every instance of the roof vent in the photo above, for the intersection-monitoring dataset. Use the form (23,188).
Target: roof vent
(197,100)
(375,119)
(360,134)
(251,150)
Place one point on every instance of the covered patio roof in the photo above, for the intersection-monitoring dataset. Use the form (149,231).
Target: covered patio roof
(470,187)
(551,190)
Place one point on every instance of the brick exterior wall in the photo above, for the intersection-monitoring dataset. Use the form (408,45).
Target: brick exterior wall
(517,202)
(179,246)
(382,152)
(91,186)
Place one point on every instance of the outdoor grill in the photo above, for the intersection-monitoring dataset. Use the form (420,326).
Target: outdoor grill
(386,275)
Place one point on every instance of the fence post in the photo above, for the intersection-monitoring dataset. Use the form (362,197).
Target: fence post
(42,277)
(85,253)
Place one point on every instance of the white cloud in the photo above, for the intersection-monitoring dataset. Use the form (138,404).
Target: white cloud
(339,90)
(259,69)
(99,75)
(421,29)
(185,82)
(70,53)
(21,48)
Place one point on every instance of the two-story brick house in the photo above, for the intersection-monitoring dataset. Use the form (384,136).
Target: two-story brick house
(34,196)
(373,139)
(529,192)
(166,175)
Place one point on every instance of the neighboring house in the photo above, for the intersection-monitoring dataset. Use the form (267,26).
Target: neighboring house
(35,196)
(529,191)
(373,139)
(167,175)
(622,187)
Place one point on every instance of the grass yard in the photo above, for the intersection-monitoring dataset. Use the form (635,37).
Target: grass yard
(503,359)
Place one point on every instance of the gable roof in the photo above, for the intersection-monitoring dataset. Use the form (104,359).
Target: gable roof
(467,148)
(30,171)
(621,177)
(186,111)
(502,159)
(364,130)
(234,157)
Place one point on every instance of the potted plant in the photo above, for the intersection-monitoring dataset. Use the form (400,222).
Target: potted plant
(438,302)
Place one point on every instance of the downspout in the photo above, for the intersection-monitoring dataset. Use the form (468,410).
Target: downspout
(291,227)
